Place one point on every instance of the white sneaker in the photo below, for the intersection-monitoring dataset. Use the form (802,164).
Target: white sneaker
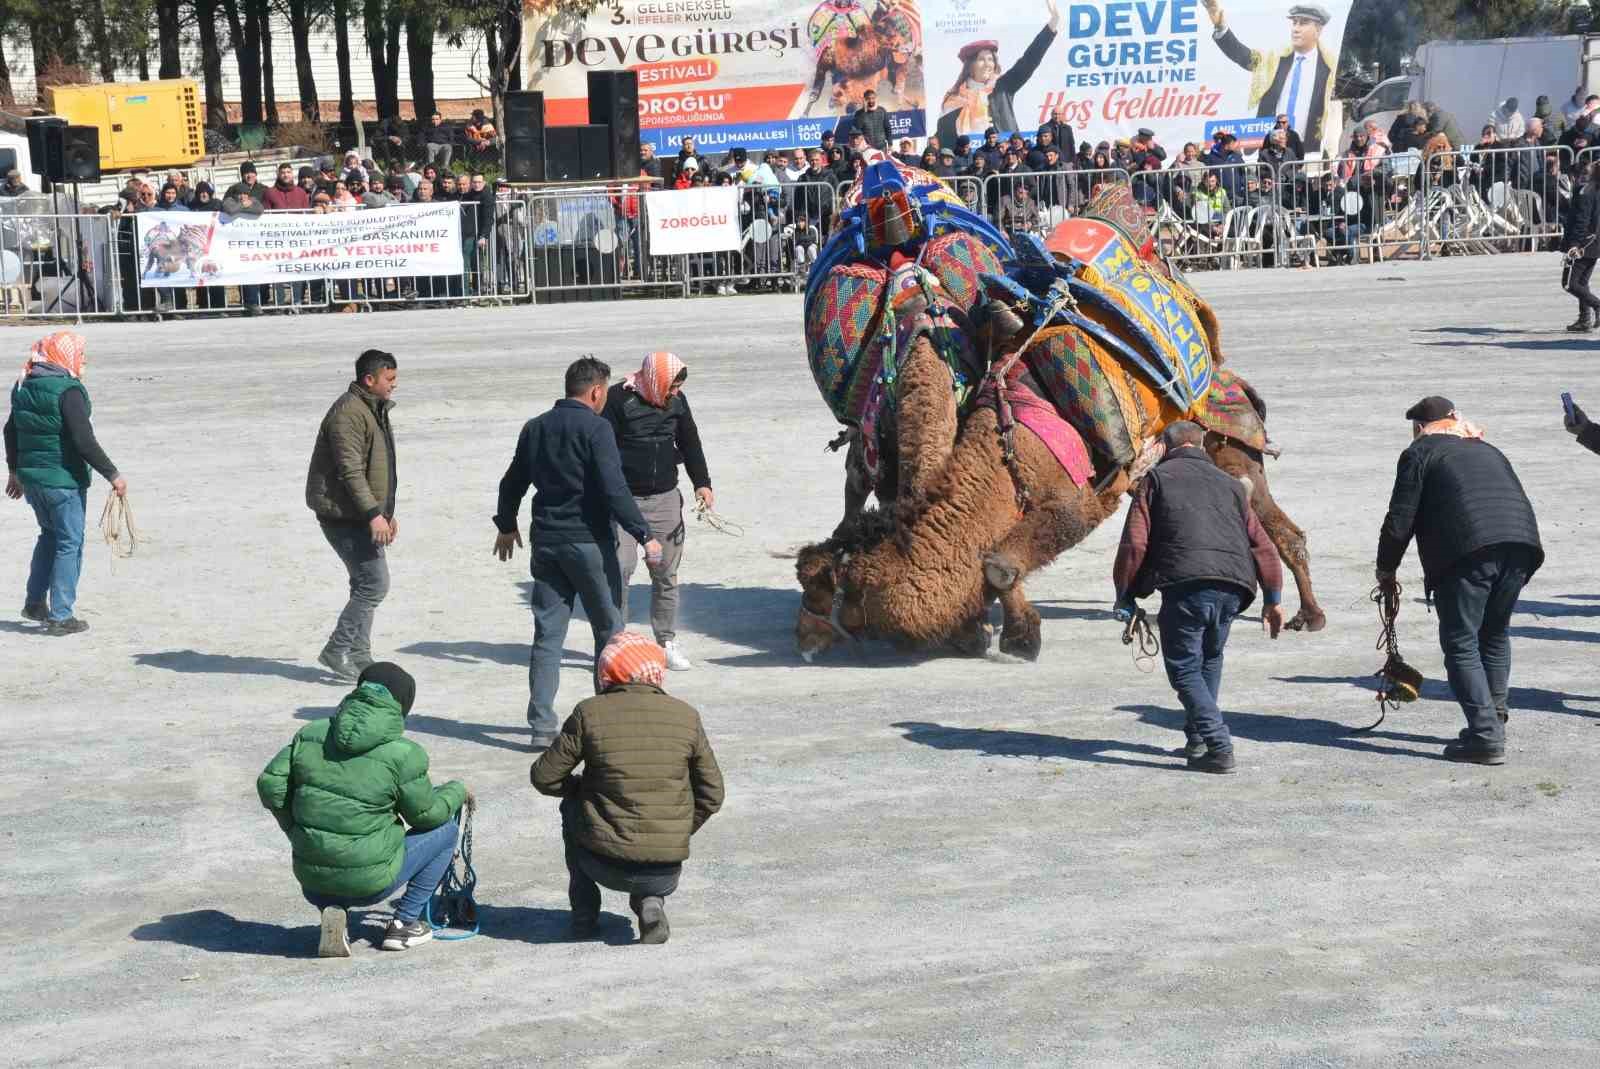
(676,660)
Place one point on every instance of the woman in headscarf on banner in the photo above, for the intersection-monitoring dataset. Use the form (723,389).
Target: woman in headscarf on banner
(985,94)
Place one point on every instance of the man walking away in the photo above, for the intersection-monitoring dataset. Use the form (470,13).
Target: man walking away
(50,447)
(654,428)
(1192,535)
(649,782)
(352,794)
(351,487)
(1582,242)
(1479,544)
(569,456)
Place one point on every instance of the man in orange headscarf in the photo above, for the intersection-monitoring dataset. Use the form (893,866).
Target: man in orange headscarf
(649,782)
(50,447)
(655,431)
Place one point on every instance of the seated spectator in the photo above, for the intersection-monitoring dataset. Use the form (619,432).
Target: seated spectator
(1214,197)
(1275,150)
(908,153)
(352,794)
(963,153)
(482,138)
(806,240)
(1144,147)
(688,171)
(1019,212)
(353,168)
(929,161)
(649,781)
(437,143)
(13,186)
(946,165)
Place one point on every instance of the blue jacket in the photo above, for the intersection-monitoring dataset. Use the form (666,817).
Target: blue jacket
(569,456)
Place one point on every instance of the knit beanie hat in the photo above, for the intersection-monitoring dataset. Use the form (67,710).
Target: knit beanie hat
(396,680)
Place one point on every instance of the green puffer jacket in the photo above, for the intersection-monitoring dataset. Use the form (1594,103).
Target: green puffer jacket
(341,789)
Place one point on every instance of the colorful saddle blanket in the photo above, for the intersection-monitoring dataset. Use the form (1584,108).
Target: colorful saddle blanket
(1229,411)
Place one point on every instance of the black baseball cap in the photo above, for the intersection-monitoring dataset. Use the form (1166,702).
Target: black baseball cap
(1430,409)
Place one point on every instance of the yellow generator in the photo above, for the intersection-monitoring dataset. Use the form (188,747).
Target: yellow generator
(142,124)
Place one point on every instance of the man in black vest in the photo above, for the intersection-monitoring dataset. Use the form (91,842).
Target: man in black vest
(1192,535)
(1479,544)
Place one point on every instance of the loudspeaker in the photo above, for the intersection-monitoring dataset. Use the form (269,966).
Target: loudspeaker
(38,149)
(80,154)
(577,153)
(614,103)
(525,141)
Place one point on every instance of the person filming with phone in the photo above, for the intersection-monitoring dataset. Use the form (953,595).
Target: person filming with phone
(1578,425)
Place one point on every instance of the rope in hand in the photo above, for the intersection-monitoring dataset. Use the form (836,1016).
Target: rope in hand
(705,514)
(1399,682)
(453,903)
(1139,631)
(116,526)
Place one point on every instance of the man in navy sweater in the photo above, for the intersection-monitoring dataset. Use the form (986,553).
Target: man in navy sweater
(569,456)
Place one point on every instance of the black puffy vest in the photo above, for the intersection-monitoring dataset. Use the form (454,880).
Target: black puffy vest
(1198,527)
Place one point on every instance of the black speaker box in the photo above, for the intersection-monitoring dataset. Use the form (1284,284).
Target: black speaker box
(80,154)
(577,153)
(614,104)
(525,141)
(39,142)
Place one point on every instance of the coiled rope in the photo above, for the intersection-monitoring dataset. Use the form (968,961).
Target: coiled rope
(1399,682)
(705,514)
(453,903)
(1137,632)
(117,528)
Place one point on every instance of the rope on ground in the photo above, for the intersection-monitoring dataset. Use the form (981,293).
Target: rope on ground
(116,526)
(1138,630)
(452,904)
(705,514)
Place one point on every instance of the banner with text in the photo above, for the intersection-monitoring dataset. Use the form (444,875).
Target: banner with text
(754,73)
(208,249)
(686,221)
(1181,68)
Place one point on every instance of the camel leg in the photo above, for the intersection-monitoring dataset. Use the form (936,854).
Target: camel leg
(1289,539)
(856,485)
(925,429)
(1044,534)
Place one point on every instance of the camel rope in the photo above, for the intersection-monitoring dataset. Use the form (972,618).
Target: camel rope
(1399,682)
(1138,633)
(117,526)
(719,523)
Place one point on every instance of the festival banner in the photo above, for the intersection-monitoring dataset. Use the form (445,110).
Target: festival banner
(687,221)
(1181,68)
(183,249)
(753,73)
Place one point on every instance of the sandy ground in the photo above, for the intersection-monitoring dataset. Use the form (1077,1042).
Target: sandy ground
(921,862)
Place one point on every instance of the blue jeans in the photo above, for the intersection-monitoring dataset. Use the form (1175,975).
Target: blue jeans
(427,859)
(1475,601)
(587,871)
(562,573)
(1194,620)
(58,554)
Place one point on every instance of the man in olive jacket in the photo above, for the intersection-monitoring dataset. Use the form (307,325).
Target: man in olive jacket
(351,487)
(649,782)
(353,795)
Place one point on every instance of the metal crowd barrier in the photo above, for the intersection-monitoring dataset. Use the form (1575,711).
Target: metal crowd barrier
(1493,200)
(56,265)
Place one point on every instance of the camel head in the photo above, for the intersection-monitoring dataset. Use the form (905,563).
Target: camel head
(824,617)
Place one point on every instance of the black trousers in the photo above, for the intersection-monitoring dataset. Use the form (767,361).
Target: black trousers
(1578,284)
(587,871)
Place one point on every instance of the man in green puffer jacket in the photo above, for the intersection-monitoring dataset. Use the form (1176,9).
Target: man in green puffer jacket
(345,791)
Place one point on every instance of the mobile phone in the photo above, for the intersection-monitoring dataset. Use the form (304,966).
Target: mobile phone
(1566,404)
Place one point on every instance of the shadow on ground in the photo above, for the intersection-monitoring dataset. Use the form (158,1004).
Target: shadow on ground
(535,924)
(1307,731)
(997,742)
(194,662)
(511,654)
(1554,634)
(1528,699)
(498,736)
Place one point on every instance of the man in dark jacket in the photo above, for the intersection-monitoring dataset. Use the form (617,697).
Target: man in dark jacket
(1479,544)
(569,456)
(649,782)
(50,447)
(352,794)
(872,121)
(1581,239)
(1588,434)
(1192,535)
(655,430)
(477,230)
(351,487)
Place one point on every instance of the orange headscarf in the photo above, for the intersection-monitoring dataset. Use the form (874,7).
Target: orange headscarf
(655,377)
(63,349)
(631,658)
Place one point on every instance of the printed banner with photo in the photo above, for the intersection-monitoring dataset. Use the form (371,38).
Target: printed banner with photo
(683,222)
(209,249)
(1181,68)
(753,73)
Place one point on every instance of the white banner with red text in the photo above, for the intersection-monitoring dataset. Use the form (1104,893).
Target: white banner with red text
(686,221)
(182,249)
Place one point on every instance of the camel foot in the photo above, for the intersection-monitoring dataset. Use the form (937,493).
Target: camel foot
(1001,572)
(1308,620)
(972,640)
(1022,639)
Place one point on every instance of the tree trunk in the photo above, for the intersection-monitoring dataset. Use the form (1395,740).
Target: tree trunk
(372,30)
(504,47)
(304,72)
(247,49)
(100,36)
(391,63)
(7,98)
(347,95)
(144,64)
(419,55)
(269,91)
(205,17)
(167,33)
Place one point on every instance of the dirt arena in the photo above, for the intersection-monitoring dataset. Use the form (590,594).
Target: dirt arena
(921,862)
